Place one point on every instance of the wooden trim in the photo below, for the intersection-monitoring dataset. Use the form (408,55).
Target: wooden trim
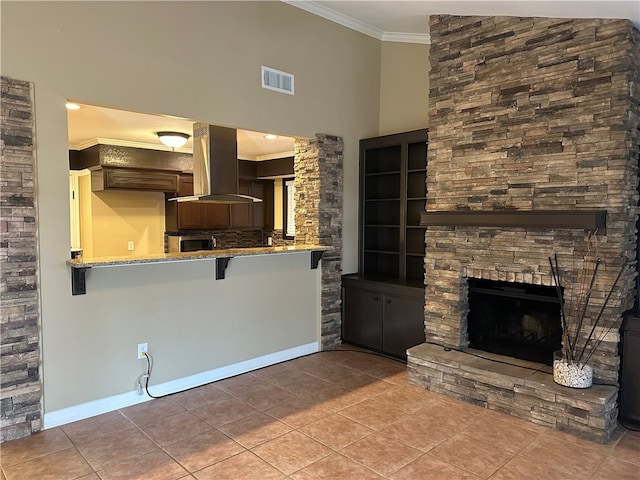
(571,219)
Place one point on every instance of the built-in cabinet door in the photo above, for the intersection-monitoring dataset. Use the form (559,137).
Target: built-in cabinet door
(241,212)
(258,215)
(403,324)
(384,317)
(190,215)
(216,216)
(362,322)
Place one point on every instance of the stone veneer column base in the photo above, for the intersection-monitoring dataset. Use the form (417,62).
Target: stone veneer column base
(528,393)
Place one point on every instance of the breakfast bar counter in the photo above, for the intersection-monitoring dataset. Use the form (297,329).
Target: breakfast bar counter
(80,265)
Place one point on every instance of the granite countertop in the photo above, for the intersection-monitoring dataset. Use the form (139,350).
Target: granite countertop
(191,256)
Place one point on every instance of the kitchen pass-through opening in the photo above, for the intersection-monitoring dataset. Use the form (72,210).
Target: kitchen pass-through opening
(514,319)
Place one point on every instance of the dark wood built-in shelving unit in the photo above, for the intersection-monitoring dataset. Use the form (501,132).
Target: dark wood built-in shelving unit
(383,304)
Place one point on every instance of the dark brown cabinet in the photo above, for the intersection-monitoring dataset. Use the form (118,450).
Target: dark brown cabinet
(108,178)
(193,215)
(383,305)
(214,216)
(383,317)
(257,215)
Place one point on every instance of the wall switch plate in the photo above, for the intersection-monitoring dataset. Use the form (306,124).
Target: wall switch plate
(131,245)
(142,347)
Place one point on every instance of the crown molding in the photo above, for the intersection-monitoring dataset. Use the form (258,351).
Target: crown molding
(82,145)
(358,26)
(336,17)
(422,38)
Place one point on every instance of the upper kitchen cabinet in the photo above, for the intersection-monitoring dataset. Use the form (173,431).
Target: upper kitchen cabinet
(107,178)
(254,215)
(194,215)
(115,167)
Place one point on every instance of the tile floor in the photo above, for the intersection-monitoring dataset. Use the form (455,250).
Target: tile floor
(332,415)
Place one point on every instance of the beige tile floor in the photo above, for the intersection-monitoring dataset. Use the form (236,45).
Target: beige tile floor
(332,415)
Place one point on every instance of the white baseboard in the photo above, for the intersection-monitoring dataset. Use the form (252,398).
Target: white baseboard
(115,402)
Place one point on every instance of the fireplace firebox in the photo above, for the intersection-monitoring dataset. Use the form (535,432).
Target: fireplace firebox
(514,319)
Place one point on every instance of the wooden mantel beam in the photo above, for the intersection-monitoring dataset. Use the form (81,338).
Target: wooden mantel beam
(532,219)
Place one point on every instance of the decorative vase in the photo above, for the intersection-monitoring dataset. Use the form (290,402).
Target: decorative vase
(571,374)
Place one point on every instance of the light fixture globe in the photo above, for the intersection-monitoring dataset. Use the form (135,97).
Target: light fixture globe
(173,139)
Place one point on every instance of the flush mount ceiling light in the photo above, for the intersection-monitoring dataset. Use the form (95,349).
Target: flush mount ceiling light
(72,106)
(270,136)
(173,139)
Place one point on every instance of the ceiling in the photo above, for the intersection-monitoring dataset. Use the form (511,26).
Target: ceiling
(396,20)
(399,20)
(92,124)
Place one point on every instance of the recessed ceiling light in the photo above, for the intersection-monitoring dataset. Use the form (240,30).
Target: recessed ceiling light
(270,136)
(72,106)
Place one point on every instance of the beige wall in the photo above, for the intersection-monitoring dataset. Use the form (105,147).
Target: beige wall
(119,217)
(404,87)
(107,53)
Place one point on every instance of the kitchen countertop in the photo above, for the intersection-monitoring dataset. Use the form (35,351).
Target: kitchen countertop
(191,256)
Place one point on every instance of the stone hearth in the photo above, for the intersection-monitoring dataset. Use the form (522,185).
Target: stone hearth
(526,115)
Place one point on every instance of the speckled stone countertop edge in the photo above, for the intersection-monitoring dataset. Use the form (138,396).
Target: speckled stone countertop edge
(191,256)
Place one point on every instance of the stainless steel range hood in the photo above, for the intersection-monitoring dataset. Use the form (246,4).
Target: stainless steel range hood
(215,166)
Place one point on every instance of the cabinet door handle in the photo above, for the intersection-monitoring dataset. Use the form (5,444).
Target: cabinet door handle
(375,299)
(388,300)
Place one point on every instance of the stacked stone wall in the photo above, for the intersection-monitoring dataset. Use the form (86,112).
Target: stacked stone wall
(20,388)
(319,186)
(531,114)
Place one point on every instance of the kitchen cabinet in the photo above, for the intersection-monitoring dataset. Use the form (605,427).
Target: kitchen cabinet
(384,317)
(193,215)
(254,215)
(108,178)
(216,216)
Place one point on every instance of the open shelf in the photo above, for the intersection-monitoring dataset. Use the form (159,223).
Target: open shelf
(393,193)
(382,238)
(379,263)
(382,186)
(416,184)
(382,213)
(414,209)
(417,156)
(380,160)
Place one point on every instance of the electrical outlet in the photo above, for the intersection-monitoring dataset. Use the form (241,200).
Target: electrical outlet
(131,245)
(141,383)
(270,241)
(142,348)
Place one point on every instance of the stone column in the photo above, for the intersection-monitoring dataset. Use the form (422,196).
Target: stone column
(318,184)
(20,388)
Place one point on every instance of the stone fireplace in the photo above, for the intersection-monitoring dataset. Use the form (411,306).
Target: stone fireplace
(514,319)
(534,117)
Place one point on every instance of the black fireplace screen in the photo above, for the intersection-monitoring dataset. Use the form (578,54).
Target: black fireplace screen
(514,319)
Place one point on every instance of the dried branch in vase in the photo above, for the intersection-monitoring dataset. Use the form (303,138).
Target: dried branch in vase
(578,348)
